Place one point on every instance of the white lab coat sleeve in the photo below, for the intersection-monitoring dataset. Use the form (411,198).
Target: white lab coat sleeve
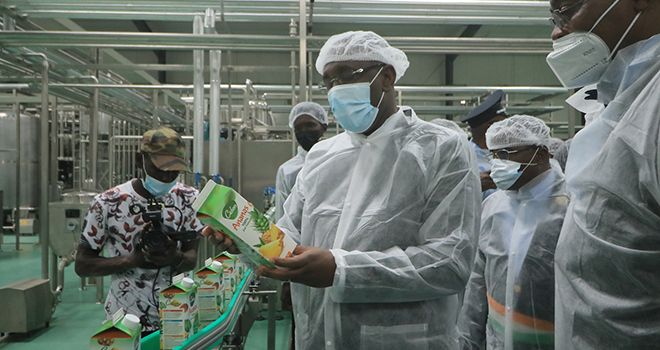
(441,263)
(291,220)
(474,314)
(282,191)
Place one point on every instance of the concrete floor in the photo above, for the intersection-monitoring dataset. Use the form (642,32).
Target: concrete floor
(78,315)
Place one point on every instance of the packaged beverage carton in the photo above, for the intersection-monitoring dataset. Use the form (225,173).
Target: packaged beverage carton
(230,278)
(210,291)
(122,332)
(179,317)
(254,235)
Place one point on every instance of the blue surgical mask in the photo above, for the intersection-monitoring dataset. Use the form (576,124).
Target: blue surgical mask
(351,105)
(155,187)
(506,172)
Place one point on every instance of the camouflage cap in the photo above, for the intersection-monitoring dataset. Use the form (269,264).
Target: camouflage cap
(166,149)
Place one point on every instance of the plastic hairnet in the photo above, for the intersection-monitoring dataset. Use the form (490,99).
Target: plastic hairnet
(361,46)
(448,124)
(311,109)
(519,130)
(555,145)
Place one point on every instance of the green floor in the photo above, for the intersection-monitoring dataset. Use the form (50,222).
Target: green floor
(78,315)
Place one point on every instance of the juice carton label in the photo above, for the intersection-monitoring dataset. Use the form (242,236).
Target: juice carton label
(230,277)
(210,293)
(117,333)
(169,342)
(178,310)
(224,209)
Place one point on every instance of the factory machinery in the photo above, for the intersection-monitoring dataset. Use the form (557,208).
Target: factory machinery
(71,124)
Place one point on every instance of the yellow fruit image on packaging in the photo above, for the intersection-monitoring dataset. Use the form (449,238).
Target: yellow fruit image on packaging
(225,210)
(272,249)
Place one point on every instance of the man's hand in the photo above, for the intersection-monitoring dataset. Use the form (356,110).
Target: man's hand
(220,240)
(169,256)
(313,267)
(486,182)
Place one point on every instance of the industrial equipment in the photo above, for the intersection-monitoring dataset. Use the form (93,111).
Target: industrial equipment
(30,304)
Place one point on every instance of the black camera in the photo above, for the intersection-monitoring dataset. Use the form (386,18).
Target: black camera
(156,237)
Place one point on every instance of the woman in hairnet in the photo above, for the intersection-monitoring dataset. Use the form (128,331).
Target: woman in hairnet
(309,122)
(386,214)
(509,302)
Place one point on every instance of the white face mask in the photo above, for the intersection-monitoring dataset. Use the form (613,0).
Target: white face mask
(506,172)
(579,59)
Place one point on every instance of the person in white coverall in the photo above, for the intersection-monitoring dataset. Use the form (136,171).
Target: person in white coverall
(309,122)
(608,254)
(509,301)
(386,214)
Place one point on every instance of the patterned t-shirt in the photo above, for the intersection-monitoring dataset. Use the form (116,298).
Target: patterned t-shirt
(110,226)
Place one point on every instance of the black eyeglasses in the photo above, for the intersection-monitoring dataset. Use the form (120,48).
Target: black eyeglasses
(347,76)
(561,16)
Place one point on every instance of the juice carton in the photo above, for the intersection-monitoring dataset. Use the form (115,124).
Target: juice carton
(240,268)
(229,276)
(122,332)
(179,316)
(224,209)
(210,291)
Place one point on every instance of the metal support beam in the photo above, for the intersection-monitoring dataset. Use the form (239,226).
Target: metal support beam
(198,109)
(215,62)
(262,43)
(302,51)
(43,170)
(17,211)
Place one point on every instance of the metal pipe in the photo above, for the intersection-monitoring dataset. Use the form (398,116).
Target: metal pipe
(287,88)
(215,63)
(43,171)
(156,103)
(302,50)
(310,74)
(12,86)
(198,111)
(261,43)
(54,140)
(271,321)
(94,138)
(293,32)
(17,212)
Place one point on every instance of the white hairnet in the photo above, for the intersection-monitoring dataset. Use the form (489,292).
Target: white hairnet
(361,46)
(519,130)
(448,124)
(311,109)
(555,145)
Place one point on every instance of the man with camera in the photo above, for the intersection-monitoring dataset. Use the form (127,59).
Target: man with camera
(144,231)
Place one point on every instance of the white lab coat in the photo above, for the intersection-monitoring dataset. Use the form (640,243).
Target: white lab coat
(286,178)
(608,254)
(399,211)
(509,301)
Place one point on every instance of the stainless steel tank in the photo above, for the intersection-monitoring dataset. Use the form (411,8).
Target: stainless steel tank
(29,180)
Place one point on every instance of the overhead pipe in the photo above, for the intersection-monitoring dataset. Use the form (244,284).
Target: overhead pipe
(198,105)
(215,60)
(12,86)
(287,88)
(261,43)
